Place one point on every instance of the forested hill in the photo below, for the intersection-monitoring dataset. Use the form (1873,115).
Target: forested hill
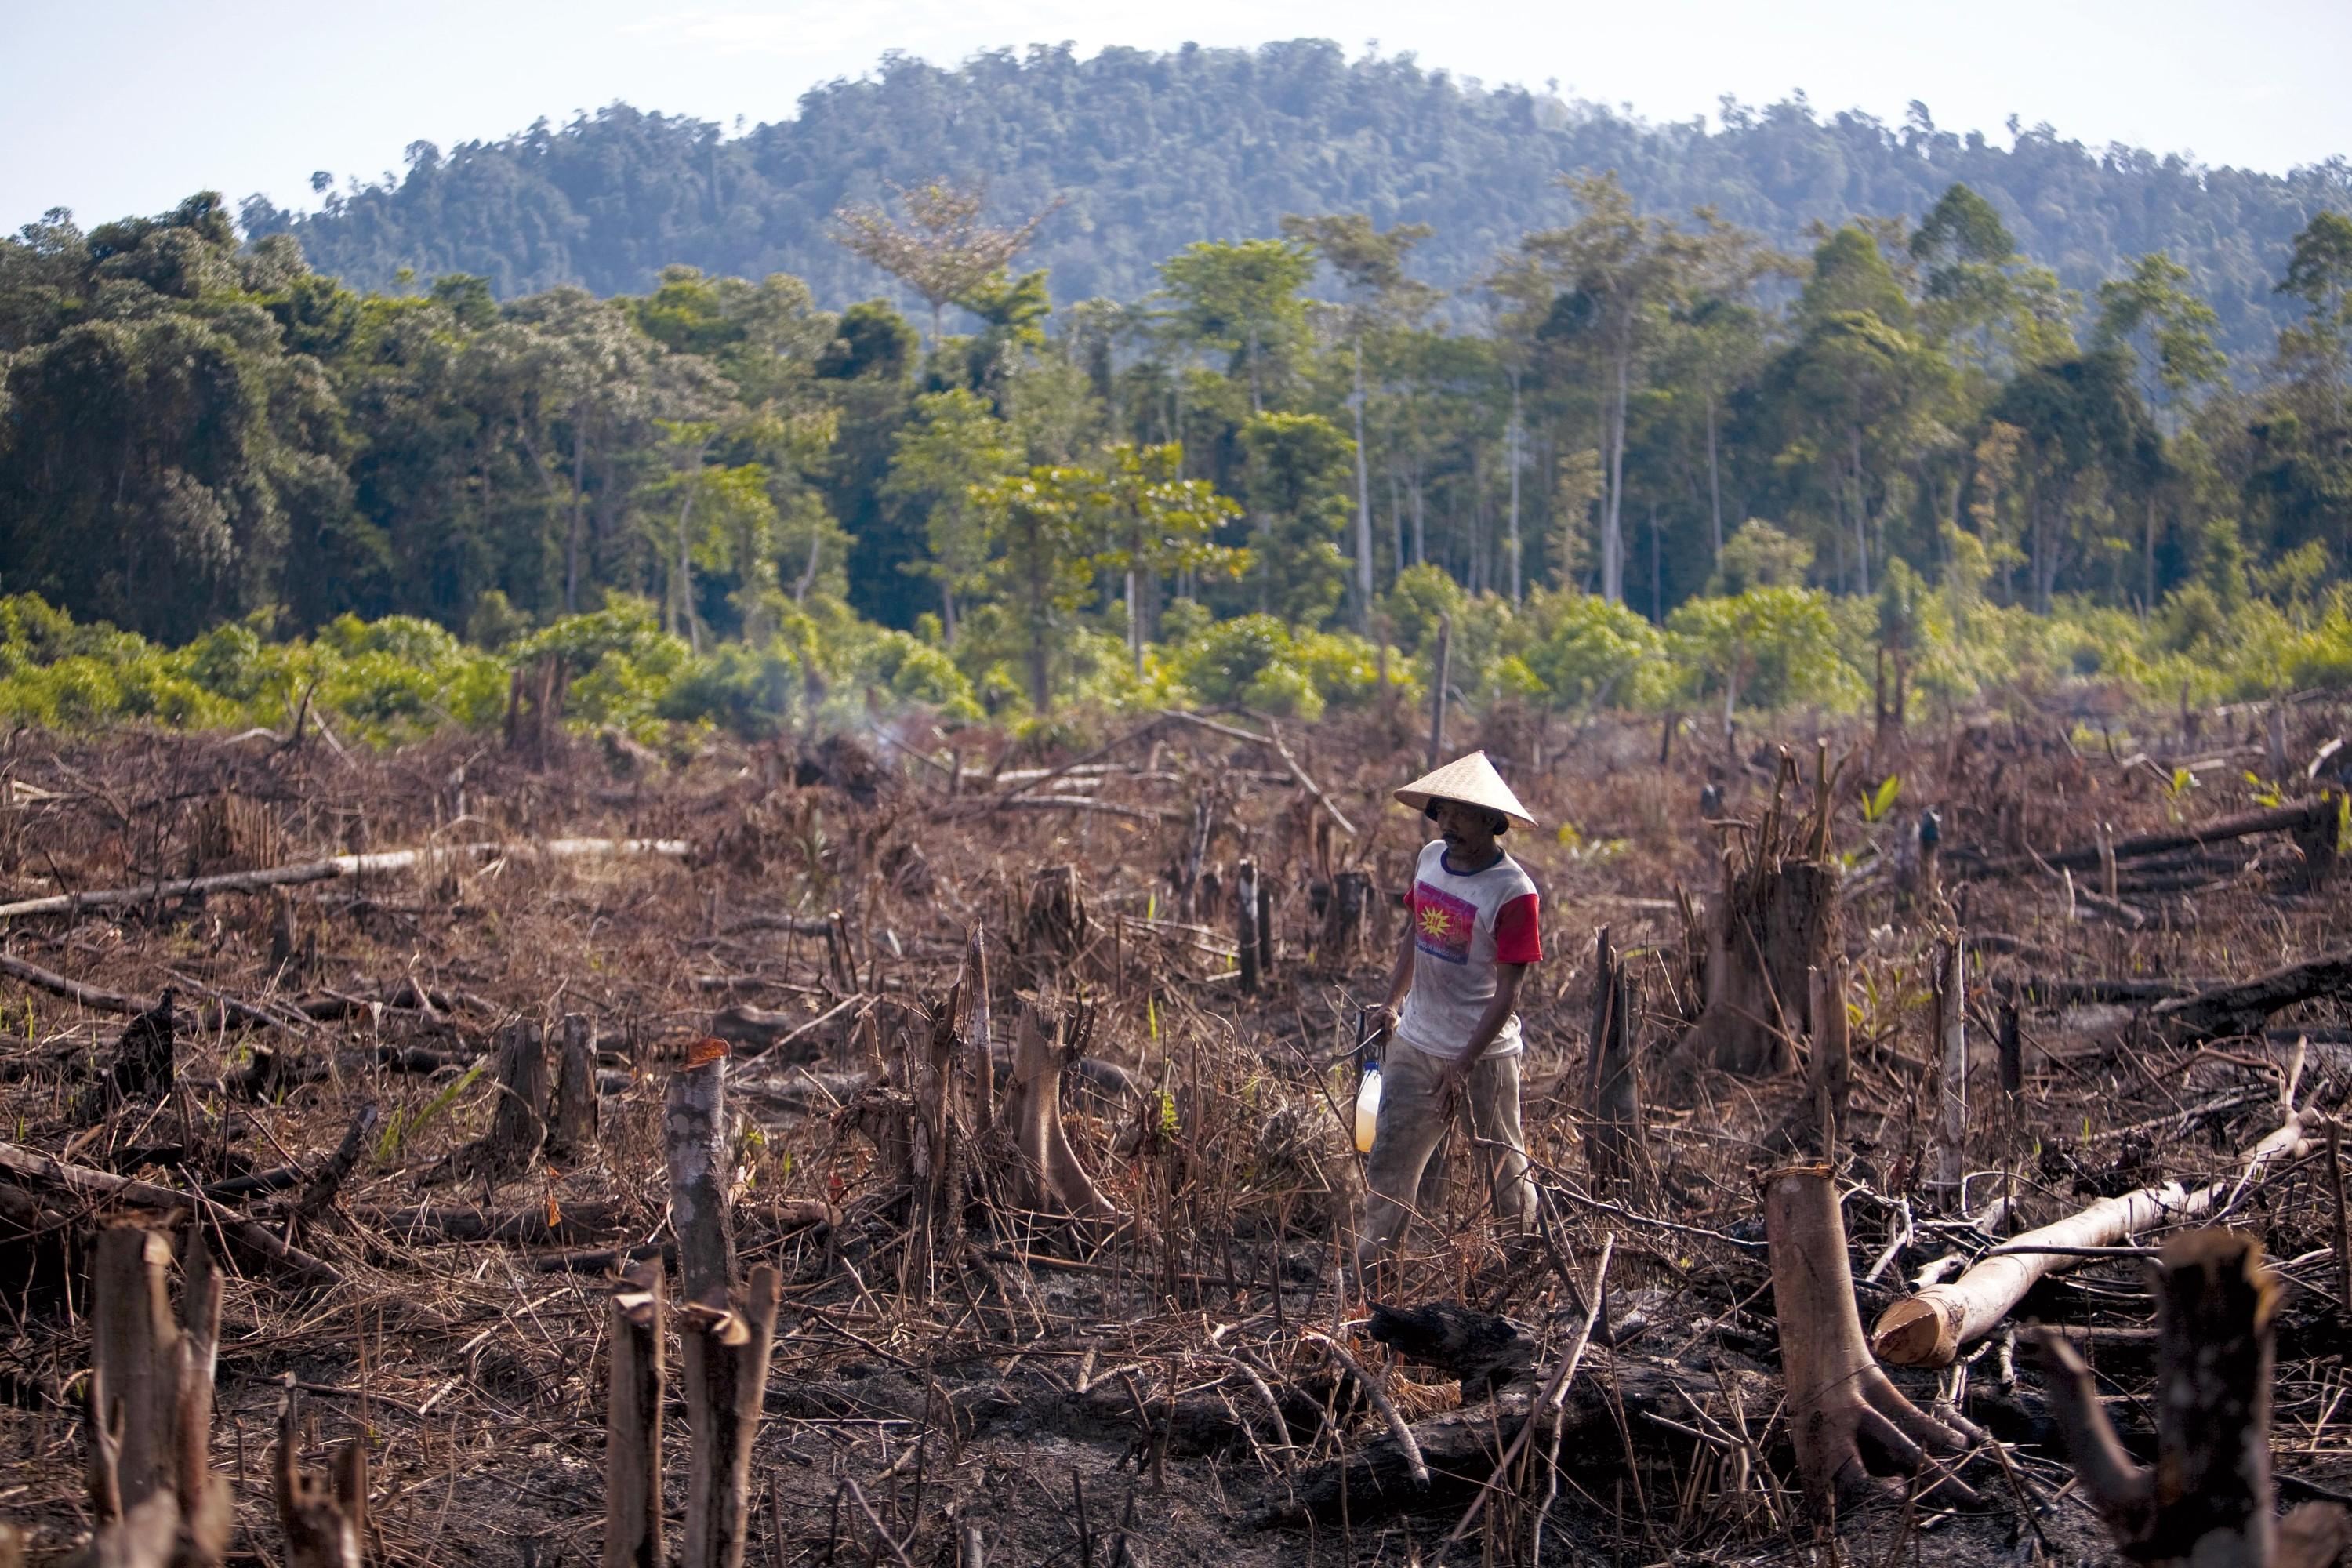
(1152,152)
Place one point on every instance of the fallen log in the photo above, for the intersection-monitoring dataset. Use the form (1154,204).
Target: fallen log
(1928,1329)
(328,870)
(2302,816)
(2242,1008)
(44,1173)
(571,1225)
(2208,1500)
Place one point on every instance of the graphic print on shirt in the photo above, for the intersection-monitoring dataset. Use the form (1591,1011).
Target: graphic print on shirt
(1445,923)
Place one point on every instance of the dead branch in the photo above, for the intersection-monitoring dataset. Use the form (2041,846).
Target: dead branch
(328,869)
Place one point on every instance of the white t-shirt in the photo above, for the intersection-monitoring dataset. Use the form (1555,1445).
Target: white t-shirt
(1462,927)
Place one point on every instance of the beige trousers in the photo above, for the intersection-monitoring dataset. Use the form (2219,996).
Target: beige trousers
(1413,1118)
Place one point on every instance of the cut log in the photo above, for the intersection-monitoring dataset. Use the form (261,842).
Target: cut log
(1843,1410)
(2241,1009)
(2207,1499)
(1929,1327)
(1487,1352)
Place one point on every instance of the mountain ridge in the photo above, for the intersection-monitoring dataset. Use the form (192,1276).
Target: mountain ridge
(1148,151)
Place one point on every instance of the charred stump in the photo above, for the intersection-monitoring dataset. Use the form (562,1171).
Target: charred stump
(1612,1081)
(2207,1499)
(572,1113)
(1770,925)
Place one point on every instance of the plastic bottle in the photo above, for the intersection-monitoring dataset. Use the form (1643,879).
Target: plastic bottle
(1368,1109)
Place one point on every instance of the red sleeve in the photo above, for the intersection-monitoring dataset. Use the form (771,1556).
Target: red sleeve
(1517,939)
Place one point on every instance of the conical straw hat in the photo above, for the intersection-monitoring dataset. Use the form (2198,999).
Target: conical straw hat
(1471,780)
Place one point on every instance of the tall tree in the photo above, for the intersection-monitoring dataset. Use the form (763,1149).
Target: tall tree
(942,249)
(1371,264)
(1618,271)
(1243,298)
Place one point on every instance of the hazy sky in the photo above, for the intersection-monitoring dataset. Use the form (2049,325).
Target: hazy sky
(132,104)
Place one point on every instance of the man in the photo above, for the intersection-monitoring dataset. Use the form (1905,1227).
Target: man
(1454,1027)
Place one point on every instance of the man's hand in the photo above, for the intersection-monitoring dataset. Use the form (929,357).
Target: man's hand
(1381,1019)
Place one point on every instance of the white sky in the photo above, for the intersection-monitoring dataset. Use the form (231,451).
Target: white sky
(129,105)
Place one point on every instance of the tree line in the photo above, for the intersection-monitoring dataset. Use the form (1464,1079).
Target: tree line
(1631,419)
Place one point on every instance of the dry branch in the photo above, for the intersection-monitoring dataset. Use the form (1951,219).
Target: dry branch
(1929,1327)
(329,869)
(43,1173)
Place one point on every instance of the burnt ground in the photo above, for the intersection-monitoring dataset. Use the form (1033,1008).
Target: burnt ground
(1076,1397)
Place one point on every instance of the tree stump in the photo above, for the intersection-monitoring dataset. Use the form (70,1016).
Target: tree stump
(535,696)
(1772,924)
(1842,1405)
(572,1113)
(1342,941)
(1052,1180)
(1612,1082)
(2207,1499)
(632,1417)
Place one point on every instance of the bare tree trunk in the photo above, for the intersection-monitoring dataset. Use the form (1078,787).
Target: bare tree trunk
(1363,502)
(2207,1499)
(1514,544)
(1613,531)
(1442,671)
(1713,484)
(1947,1157)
